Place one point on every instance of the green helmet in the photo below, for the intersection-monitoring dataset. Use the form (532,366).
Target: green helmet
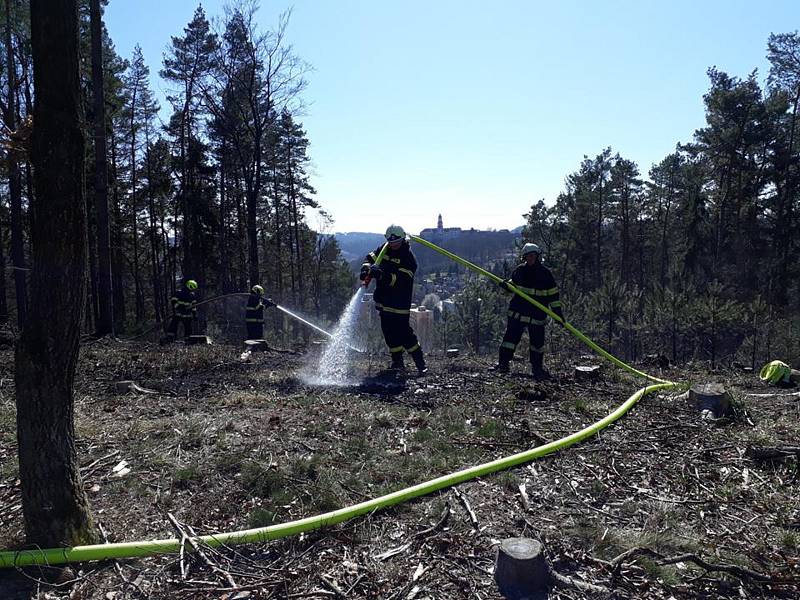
(191,284)
(394,233)
(257,289)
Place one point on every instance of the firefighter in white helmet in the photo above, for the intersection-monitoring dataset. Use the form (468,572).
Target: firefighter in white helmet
(394,283)
(536,280)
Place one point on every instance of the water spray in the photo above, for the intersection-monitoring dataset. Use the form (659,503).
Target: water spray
(310,324)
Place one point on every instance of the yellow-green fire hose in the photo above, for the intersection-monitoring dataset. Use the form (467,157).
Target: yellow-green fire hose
(55,556)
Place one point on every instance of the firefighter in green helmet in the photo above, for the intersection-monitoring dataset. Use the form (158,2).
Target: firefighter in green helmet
(184,310)
(254,312)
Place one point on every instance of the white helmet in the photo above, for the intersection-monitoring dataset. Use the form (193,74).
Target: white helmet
(394,233)
(531,248)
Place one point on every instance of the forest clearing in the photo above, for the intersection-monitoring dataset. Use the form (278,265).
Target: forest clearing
(224,444)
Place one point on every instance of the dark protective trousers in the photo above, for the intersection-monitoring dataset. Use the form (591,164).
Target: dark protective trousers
(399,336)
(172,329)
(255,331)
(513,335)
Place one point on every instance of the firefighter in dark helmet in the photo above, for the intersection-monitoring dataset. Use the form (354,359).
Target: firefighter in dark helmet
(536,280)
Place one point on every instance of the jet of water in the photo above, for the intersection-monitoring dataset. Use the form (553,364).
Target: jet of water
(335,363)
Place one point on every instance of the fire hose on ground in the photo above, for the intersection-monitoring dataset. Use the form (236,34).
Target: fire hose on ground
(55,556)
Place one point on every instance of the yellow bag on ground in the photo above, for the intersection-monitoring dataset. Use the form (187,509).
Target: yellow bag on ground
(776,372)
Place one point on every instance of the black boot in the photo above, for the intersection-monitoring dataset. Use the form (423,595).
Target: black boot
(504,361)
(419,361)
(397,363)
(537,367)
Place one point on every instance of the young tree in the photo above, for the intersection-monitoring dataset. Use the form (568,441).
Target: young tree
(54,504)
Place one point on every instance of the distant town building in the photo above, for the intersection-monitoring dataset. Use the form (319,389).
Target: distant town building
(441,232)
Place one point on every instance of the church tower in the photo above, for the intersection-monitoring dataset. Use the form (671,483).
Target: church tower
(439,224)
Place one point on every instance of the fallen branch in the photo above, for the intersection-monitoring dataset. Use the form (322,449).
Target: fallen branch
(768,452)
(564,581)
(190,538)
(473,519)
(741,572)
(436,526)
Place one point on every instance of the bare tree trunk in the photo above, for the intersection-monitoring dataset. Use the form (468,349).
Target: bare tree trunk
(92,301)
(14,182)
(105,320)
(3,301)
(54,504)
(155,269)
(252,237)
(117,257)
(225,270)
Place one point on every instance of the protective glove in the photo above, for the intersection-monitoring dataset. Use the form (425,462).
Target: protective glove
(364,271)
(375,272)
(504,285)
(267,302)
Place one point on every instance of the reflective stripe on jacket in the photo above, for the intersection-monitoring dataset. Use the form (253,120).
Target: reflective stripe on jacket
(537,281)
(184,303)
(393,290)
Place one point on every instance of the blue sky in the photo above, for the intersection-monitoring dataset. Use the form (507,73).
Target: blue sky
(476,110)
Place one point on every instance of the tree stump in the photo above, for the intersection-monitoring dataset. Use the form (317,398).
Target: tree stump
(587,373)
(711,399)
(256,345)
(452,352)
(521,571)
(198,339)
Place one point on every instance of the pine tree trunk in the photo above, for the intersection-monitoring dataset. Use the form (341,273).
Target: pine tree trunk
(105,320)
(14,183)
(252,237)
(92,301)
(155,273)
(54,505)
(3,301)
(117,258)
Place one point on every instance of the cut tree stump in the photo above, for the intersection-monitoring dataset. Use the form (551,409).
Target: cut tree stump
(521,570)
(452,352)
(711,399)
(198,339)
(587,373)
(256,345)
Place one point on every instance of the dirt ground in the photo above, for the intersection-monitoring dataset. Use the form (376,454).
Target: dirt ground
(662,504)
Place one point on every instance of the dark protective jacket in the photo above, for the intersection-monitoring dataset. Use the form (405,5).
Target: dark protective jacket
(393,290)
(184,304)
(537,281)
(254,313)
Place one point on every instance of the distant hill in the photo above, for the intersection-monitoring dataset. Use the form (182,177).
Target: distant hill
(477,246)
(356,244)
